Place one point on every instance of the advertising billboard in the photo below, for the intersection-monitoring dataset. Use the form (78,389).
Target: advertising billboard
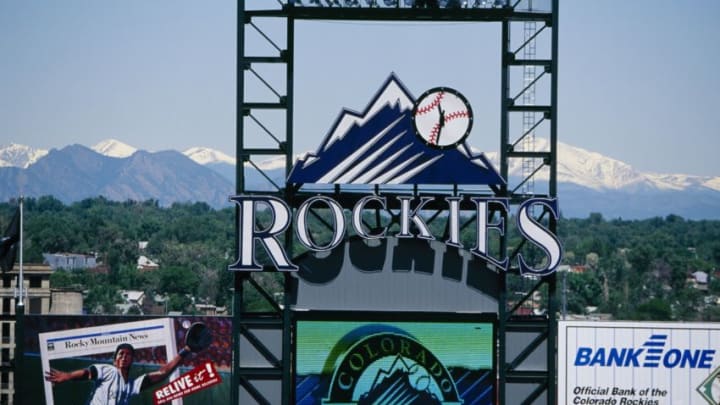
(638,363)
(76,349)
(75,359)
(369,358)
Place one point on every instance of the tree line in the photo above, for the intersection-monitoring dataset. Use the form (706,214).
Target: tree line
(631,269)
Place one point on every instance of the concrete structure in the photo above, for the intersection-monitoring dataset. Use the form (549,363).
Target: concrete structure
(66,301)
(36,291)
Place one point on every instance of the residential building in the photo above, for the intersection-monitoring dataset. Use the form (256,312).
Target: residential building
(145,264)
(70,261)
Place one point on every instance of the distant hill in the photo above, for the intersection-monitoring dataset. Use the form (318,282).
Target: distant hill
(77,172)
(587,181)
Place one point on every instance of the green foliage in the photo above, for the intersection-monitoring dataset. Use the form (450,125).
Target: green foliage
(180,302)
(175,280)
(587,292)
(193,243)
(102,296)
(655,309)
(632,269)
(61,279)
(128,277)
(644,266)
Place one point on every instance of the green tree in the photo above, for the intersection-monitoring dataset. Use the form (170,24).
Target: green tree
(176,280)
(655,309)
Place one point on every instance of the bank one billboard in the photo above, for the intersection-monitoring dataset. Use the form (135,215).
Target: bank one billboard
(638,363)
(377,358)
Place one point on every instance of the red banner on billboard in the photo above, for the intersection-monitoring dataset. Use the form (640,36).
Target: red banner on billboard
(199,378)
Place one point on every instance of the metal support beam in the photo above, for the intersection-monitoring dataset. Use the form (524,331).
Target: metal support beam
(509,14)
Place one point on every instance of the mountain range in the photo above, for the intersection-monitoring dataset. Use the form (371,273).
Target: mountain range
(587,182)
(77,172)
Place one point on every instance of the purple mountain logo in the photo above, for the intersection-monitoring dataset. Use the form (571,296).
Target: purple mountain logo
(397,386)
(380,146)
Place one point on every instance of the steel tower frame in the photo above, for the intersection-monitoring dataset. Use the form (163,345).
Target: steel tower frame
(262,364)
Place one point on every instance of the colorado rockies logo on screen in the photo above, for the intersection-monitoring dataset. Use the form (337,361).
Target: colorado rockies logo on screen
(390,365)
(442,118)
(432,359)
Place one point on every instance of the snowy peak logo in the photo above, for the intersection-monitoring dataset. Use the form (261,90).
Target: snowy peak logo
(391,368)
(654,353)
(400,140)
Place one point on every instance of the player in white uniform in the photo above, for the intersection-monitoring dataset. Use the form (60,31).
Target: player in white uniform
(113,385)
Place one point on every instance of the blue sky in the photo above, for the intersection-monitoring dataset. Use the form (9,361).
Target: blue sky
(638,79)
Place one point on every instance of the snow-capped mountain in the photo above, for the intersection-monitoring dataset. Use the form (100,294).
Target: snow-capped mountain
(598,172)
(77,172)
(21,156)
(205,156)
(213,158)
(588,181)
(575,165)
(114,148)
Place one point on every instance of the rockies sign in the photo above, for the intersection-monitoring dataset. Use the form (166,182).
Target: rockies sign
(397,140)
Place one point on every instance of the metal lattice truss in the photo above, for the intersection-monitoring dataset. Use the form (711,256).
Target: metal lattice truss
(262,363)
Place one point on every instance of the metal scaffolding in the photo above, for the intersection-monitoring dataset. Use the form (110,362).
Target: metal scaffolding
(262,355)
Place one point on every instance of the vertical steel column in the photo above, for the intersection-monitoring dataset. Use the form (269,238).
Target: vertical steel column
(289,92)
(553,100)
(552,282)
(239,188)
(287,381)
(504,168)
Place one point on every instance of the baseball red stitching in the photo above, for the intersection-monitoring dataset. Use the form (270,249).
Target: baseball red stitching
(457,114)
(433,134)
(435,102)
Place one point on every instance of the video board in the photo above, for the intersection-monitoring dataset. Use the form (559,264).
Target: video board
(411,358)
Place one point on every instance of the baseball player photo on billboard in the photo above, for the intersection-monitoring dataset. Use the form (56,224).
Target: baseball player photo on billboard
(118,364)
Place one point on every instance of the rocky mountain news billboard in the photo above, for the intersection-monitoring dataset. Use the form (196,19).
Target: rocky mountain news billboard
(75,342)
